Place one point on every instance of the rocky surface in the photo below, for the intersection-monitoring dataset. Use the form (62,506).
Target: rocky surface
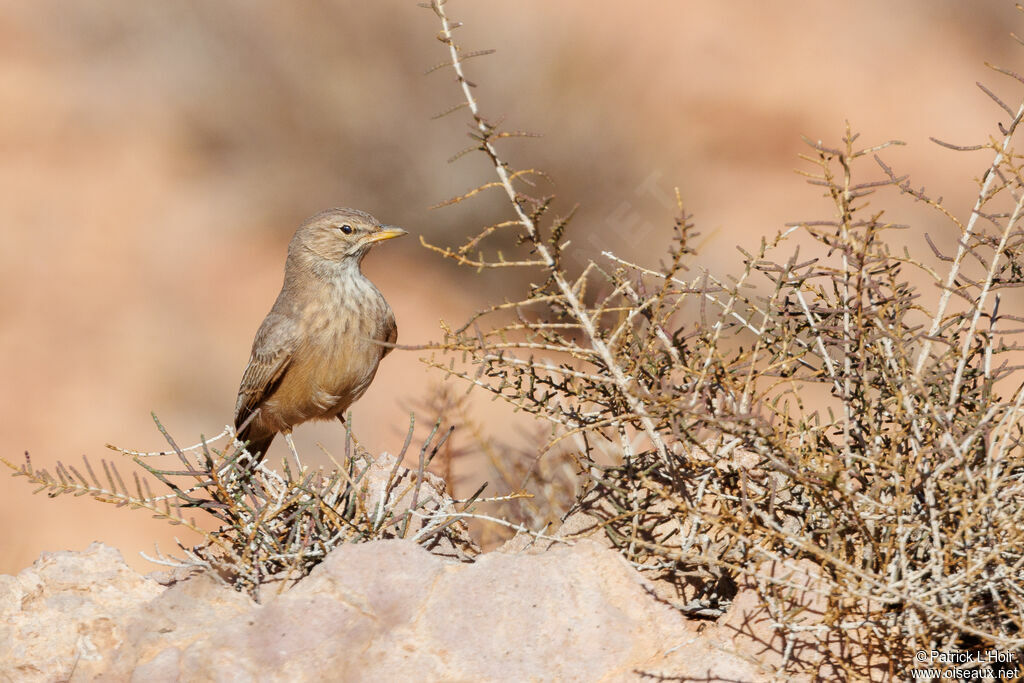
(386,610)
(66,612)
(566,608)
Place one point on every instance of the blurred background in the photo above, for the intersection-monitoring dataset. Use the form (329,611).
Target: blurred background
(156,158)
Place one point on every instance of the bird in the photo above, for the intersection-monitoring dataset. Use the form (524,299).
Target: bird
(318,348)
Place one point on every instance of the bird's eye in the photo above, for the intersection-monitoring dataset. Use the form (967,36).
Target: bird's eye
(347,229)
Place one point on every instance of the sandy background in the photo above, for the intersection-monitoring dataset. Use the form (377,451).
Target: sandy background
(156,157)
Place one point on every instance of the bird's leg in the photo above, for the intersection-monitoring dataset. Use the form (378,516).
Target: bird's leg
(291,447)
(348,429)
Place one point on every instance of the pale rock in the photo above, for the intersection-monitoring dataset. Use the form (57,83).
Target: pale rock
(386,610)
(66,613)
(567,610)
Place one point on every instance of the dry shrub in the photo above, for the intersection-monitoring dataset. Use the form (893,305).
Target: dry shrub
(821,406)
(274,527)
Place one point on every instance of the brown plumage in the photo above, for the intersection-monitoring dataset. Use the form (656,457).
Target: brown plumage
(318,349)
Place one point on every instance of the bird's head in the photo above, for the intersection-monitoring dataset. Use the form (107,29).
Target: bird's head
(340,235)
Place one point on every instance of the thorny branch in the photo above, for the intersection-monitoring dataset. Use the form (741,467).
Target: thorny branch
(821,407)
(579,311)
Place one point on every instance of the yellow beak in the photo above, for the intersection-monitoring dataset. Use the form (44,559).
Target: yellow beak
(386,232)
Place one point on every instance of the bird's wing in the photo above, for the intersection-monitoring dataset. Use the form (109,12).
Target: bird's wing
(390,333)
(271,354)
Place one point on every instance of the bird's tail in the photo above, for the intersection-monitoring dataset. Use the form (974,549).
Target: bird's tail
(258,442)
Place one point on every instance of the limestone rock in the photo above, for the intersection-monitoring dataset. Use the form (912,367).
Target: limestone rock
(66,613)
(386,610)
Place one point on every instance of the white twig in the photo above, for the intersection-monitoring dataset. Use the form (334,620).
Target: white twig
(962,247)
(194,447)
